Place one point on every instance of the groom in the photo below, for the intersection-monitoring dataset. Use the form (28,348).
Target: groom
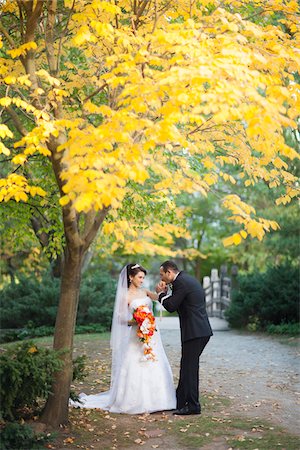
(187,298)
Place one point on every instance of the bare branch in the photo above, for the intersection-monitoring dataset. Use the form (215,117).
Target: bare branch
(92,225)
(62,36)
(7,36)
(33,16)
(17,122)
(95,92)
(37,226)
(49,37)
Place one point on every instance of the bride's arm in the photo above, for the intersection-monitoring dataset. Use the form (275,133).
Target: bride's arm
(131,322)
(152,295)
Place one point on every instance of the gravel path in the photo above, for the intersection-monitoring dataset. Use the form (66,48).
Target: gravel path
(258,373)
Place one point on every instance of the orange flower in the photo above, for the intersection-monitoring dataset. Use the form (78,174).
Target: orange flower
(146,328)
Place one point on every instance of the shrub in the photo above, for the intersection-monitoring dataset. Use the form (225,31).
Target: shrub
(26,374)
(29,301)
(29,333)
(291,329)
(96,301)
(33,303)
(21,437)
(265,298)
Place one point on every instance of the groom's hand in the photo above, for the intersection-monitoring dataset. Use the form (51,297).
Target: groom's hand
(161,287)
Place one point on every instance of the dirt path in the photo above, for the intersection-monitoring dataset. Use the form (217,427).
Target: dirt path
(258,373)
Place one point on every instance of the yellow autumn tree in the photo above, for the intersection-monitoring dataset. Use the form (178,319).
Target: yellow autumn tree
(109,100)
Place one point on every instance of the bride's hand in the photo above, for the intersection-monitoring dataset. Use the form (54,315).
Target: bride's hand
(161,287)
(131,322)
(152,295)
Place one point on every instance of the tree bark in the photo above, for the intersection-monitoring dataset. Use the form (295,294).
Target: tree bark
(56,409)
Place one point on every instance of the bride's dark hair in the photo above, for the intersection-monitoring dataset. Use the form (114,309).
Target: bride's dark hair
(133,269)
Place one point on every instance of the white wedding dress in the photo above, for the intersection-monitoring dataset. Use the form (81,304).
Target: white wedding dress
(140,386)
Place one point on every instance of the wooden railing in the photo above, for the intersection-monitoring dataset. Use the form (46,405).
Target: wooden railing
(217,294)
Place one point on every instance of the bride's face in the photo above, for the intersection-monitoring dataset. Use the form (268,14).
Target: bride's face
(138,279)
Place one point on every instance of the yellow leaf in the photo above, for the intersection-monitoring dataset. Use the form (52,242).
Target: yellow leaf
(23,196)
(5,101)
(4,149)
(32,349)
(64,200)
(228,241)
(244,234)
(235,239)
(40,191)
(10,80)
(51,80)
(16,52)
(5,131)
(19,159)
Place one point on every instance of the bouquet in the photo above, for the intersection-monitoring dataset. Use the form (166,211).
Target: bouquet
(145,330)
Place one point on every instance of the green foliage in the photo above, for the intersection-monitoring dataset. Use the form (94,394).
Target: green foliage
(291,329)
(265,298)
(31,332)
(80,372)
(32,303)
(20,437)
(96,301)
(26,373)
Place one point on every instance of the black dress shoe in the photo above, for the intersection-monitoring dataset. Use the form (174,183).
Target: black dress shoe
(186,411)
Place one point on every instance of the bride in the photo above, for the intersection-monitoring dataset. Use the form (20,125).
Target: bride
(141,377)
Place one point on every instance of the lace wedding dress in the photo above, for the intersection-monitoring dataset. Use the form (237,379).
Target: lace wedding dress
(139,386)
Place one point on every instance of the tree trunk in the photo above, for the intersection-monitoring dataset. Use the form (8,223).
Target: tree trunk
(56,409)
(198,269)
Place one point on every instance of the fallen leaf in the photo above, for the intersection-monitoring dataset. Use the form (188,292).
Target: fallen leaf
(69,440)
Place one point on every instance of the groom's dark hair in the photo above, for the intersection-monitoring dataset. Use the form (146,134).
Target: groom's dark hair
(169,265)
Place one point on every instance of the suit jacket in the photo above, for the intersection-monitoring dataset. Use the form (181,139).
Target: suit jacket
(188,299)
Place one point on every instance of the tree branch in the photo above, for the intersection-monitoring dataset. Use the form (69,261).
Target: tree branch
(95,92)
(33,16)
(7,36)
(17,122)
(62,36)
(49,38)
(92,225)
(72,235)
(42,236)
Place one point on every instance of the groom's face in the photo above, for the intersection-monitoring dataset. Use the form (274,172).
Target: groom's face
(167,276)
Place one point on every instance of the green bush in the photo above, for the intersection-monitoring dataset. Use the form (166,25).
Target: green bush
(96,301)
(26,374)
(262,299)
(30,333)
(21,437)
(32,303)
(291,329)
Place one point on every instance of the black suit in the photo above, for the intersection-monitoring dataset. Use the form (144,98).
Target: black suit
(188,299)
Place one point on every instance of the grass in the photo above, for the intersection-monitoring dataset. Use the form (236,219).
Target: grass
(78,339)
(237,433)
(98,429)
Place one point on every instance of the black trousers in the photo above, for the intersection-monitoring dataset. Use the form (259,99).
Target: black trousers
(187,391)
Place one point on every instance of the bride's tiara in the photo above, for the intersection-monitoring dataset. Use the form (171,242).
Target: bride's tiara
(135,266)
